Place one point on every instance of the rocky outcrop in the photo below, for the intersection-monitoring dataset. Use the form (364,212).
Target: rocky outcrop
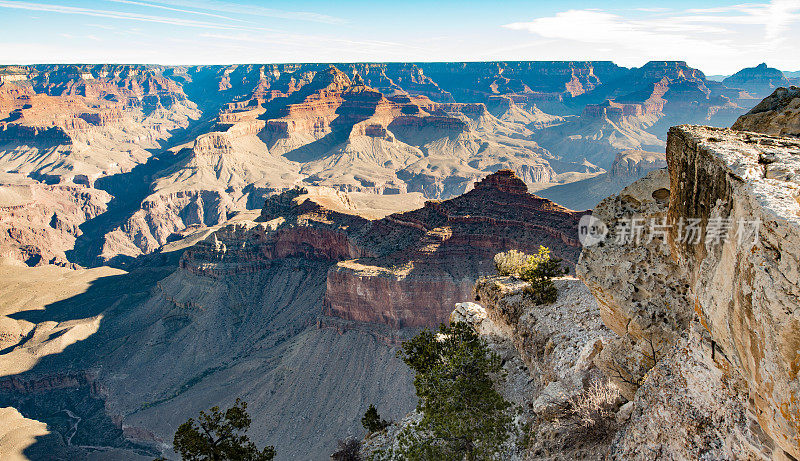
(445,247)
(714,312)
(165,217)
(398,298)
(637,299)
(547,353)
(777,115)
(404,270)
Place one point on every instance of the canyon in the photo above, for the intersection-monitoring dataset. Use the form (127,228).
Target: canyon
(191,146)
(313,295)
(174,237)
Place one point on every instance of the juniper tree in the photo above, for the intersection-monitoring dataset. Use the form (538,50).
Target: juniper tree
(219,436)
(372,421)
(463,416)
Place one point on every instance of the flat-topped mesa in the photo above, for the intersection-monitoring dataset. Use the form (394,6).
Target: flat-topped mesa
(669,69)
(504,181)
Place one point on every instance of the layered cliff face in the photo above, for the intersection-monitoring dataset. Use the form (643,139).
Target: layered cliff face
(407,269)
(353,137)
(207,142)
(335,131)
(446,246)
(708,300)
(633,112)
(39,223)
(69,123)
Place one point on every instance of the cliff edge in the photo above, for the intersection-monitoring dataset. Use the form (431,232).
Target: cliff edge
(698,277)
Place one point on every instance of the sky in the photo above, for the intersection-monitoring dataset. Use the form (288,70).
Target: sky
(718,37)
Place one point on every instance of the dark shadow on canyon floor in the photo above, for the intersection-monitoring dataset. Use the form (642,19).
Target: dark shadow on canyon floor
(61,391)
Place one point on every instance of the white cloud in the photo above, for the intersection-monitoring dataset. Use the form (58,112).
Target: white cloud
(719,39)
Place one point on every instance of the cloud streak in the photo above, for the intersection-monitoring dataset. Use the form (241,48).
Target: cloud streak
(248,10)
(179,10)
(171,20)
(112,14)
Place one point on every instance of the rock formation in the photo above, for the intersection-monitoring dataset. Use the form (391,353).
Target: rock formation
(225,137)
(777,115)
(716,308)
(633,112)
(628,166)
(547,354)
(407,269)
(39,222)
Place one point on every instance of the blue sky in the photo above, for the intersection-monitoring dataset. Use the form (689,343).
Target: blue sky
(718,37)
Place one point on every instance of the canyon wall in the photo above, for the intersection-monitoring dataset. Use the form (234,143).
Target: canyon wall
(777,115)
(404,270)
(39,223)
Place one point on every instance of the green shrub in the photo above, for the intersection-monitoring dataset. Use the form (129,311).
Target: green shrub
(540,277)
(219,435)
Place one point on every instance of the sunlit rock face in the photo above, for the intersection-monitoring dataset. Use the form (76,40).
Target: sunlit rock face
(726,303)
